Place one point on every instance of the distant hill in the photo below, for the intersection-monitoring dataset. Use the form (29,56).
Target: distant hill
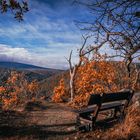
(16,65)
(31,71)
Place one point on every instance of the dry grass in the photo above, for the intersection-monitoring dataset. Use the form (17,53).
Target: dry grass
(129,128)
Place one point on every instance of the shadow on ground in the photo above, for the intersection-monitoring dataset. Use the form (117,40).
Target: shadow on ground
(39,131)
(34,106)
(13,124)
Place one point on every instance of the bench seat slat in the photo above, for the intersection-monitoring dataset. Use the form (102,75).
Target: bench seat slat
(110,106)
(86,110)
(83,120)
(103,107)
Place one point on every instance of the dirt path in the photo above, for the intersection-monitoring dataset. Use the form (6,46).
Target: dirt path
(54,122)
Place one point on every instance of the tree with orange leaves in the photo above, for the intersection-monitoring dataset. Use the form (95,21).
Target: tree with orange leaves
(100,76)
(33,88)
(2,91)
(94,73)
(17,90)
(15,85)
(94,77)
(59,92)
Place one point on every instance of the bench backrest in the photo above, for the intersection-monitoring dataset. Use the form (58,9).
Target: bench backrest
(96,99)
(118,96)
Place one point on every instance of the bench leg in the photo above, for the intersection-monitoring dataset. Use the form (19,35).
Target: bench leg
(115,112)
(79,126)
(92,125)
(77,122)
(83,127)
(89,127)
(117,109)
(121,111)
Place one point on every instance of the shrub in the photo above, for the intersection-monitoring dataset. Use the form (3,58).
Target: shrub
(59,92)
(17,90)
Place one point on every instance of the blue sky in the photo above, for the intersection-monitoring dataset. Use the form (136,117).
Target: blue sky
(45,37)
(47,34)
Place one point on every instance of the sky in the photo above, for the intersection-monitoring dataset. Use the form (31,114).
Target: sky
(45,37)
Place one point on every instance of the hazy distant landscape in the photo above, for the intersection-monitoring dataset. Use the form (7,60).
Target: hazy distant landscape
(31,71)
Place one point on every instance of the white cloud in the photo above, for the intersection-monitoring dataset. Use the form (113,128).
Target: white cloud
(8,53)
(22,55)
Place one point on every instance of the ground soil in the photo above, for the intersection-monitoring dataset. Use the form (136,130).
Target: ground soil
(47,121)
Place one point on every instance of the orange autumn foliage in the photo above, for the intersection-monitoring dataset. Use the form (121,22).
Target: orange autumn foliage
(100,76)
(59,92)
(13,88)
(16,90)
(94,77)
(2,89)
(33,88)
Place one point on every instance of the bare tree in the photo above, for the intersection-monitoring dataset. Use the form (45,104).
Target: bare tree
(115,23)
(73,68)
(16,8)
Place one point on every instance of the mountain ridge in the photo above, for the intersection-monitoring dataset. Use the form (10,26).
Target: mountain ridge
(17,65)
(31,71)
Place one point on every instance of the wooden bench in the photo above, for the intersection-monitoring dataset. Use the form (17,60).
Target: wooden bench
(117,102)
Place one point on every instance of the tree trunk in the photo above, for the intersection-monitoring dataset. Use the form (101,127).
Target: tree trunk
(136,78)
(72,85)
(128,66)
